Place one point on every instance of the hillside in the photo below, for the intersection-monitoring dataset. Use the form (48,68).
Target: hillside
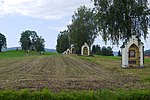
(147,53)
(115,53)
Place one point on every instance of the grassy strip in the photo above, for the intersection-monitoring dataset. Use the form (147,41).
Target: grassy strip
(13,53)
(76,95)
(21,53)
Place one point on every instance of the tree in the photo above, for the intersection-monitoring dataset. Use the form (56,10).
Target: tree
(104,51)
(31,41)
(98,49)
(39,44)
(107,51)
(2,42)
(62,41)
(83,29)
(25,40)
(34,37)
(120,19)
(119,53)
(93,49)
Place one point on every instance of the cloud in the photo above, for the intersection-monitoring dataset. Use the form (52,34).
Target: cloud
(44,9)
(57,28)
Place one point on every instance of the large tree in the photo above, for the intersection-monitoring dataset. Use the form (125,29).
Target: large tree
(120,19)
(2,42)
(25,40)
(31,41)
(39,44)
(62,41)
(82,28)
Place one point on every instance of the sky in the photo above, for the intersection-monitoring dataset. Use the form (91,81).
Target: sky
(46,17)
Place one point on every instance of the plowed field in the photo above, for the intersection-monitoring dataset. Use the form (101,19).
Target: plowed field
(60,72)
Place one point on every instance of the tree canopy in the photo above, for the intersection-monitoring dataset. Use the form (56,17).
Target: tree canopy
(120,19)
(82,30)
(31,41)
(39,44)
(2,42)
(96,49)
(106,51)
(62,41)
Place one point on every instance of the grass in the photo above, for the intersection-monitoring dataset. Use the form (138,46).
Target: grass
(8,54)
(114,64)
(76,95)
(147,60)
(21,53)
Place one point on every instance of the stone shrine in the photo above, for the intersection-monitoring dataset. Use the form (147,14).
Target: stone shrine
(85,50)
(132,53)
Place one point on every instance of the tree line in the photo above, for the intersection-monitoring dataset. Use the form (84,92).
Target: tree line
(106,51)
(29,40)
(113,20)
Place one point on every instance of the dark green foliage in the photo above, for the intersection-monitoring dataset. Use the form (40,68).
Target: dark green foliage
(96,49)
(120,19)
(39,44)
(107,51)
(83,28)
(104,50)
(119,53)
(25,40)
(62,42)
(76,95)
(31,41)
(93,49)
(2,42)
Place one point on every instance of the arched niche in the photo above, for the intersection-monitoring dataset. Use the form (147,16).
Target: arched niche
(85,50)
(134,56)
(73,50)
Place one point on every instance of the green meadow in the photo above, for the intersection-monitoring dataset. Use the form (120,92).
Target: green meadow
(22,53)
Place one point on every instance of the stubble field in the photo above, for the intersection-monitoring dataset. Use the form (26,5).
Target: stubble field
(68,72)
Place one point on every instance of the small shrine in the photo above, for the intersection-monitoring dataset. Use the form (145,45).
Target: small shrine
(85,50)
(68,51)
(73,51)
(132,53)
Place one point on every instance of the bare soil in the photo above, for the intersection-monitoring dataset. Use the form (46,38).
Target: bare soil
(60,72)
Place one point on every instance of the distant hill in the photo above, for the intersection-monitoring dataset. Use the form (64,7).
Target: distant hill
(11,48)
(147,53)
(147,50)
(115,53)
(19,48)
(50,50)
